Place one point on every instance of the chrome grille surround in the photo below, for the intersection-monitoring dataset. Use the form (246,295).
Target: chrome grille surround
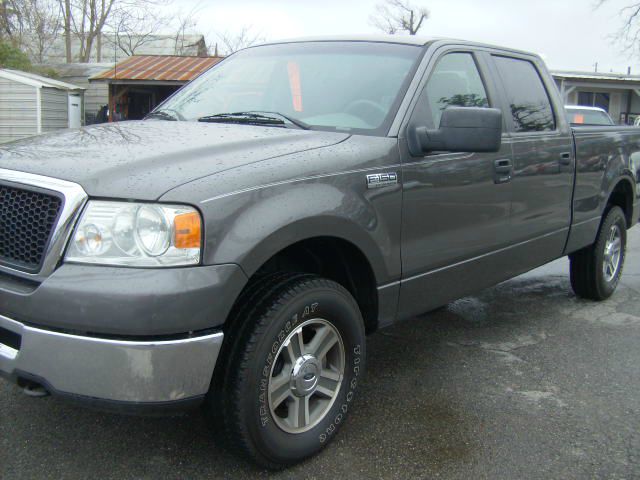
(74,199)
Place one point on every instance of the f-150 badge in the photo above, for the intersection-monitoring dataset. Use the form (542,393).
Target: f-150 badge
(377,180)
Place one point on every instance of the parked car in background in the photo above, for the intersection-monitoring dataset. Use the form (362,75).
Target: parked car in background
(233,249)
(586,116)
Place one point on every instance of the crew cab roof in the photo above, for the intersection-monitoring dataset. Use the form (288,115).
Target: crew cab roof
(399,39)
(403,39)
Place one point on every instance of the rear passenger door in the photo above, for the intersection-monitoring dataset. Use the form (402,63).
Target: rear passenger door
(456,205)
(542,182)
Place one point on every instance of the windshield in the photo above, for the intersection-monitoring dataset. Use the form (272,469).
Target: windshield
(346,86)
(578,116)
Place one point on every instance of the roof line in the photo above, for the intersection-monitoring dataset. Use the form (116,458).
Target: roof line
(37,81)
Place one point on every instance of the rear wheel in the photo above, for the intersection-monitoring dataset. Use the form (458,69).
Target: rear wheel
(596,270)
(295,357)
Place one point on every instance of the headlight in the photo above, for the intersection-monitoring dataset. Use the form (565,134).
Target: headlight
(136,235)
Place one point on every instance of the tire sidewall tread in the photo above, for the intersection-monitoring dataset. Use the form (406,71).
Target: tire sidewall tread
(587,277)
(262,325)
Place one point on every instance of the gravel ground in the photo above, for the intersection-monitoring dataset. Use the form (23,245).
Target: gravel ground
(520,381)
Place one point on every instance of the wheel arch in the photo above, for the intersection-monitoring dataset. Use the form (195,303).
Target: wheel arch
(348,239)
(622,195)
(334,258)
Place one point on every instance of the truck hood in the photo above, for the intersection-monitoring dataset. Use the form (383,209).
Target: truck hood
(144,159)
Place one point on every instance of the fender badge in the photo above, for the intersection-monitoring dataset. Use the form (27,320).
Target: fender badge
(377,180)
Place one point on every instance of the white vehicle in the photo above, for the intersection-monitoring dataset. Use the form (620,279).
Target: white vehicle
(580,115)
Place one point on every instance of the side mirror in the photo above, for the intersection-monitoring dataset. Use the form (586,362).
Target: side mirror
(462,129)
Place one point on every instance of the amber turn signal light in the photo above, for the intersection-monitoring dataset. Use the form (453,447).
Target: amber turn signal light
(188,230)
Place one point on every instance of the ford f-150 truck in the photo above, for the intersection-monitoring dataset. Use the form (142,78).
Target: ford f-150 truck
(234,248)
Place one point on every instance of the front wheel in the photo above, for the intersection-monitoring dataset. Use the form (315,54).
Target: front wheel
(297,355)
(596,270)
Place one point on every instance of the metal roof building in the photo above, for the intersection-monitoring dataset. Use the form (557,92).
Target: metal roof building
(96,94)
(105,47)
(31,104)
(139,83)
(618,94)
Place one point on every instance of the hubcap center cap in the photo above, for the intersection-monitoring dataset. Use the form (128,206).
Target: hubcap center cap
(305,375)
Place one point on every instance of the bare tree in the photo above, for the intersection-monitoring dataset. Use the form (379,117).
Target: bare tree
(11,23)
(130,23)
(31,25)
(397,16)
(85,21)
(66,15)
(628,35)
(232,42)
(131,28)
(44,22)
(185,23)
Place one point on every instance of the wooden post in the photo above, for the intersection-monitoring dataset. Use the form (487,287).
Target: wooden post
(112,100)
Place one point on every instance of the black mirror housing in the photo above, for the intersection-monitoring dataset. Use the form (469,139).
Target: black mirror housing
(462,129)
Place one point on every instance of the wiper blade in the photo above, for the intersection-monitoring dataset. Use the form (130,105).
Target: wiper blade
(295,121)
(241,118)
(163,114)
(254,117)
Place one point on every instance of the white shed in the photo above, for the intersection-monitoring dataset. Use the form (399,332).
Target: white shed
(31,104)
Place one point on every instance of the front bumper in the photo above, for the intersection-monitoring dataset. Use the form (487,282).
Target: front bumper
(124,302)
(106,370)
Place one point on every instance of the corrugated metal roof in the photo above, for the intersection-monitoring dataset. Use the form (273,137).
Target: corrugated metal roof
(158,68)
(36,80)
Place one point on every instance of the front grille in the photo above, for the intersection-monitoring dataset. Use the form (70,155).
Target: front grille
(27,220)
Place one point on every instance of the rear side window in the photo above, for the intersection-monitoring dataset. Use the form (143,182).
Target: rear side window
(455,81)
(528,100)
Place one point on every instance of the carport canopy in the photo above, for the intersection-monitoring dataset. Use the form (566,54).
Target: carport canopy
(141,82)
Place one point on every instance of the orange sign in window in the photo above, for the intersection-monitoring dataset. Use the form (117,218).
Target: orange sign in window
(577,118)
(294,83)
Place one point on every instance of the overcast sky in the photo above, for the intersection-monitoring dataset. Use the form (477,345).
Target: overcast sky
(569,34)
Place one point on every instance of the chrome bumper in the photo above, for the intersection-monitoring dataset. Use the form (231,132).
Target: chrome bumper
(111,370)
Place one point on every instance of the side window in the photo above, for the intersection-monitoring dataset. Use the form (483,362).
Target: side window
(455,81)
(528,100)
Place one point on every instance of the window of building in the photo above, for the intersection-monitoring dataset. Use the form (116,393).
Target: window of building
(528,100)
(594,99)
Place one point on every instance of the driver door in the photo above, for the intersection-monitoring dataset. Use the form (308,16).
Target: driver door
(456,206)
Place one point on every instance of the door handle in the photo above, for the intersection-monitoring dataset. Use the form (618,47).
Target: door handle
(503,168)
(565,158)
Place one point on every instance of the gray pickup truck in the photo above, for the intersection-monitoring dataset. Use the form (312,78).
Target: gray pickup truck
(233,249)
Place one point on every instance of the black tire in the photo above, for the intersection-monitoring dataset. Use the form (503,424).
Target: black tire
(269,312)
(588,278)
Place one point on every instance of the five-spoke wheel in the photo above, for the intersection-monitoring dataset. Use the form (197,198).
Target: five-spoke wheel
(611,257)
(306,376)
